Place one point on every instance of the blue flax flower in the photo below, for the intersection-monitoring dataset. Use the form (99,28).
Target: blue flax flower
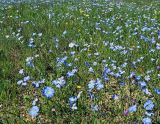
(137,78)
(72,102)
(35,84)
(34,111)
(60,82)
(142,84)
(132,108)
(147,120)
(105,73)
(29,61)
(148,105)
(146,91)
(95,84)
(71,73)
(115,97)
(48,92)
(91,85)
(157,90)
(99,85)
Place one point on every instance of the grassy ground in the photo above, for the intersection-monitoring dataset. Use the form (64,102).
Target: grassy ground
(122,37)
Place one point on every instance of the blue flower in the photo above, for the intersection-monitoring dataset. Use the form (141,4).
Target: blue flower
(91,85)
(132,108)
(60,82)
(146,91)
(115,97)
(35,84)
(147,120)
(142,84)
(157,90)
(72,53)
(91,95)
(34,111)
(71,73)
(32,45)
(121,83)
(29,61)
(48,92)
(34,101)
(158,46)
(61,61)
(148,105)
(144,38)
(27,78)
(105,73)
(117,75)
(99,85)
(72,102)
(87,64)
(137,78)
(158,68)
(132,75)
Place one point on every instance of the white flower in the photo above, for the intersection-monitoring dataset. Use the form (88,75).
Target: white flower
(37,55)
(76,59)
(74,107)
(34,101)
(91,84)
(21,71)
(64,33)
(39,34)
(91,69)
(96,54)
(7,36)
(20,82)
(24,83)
(94,63)
(147,77)
(71,45)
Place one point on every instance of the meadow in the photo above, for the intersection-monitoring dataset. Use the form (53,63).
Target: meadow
(80,62)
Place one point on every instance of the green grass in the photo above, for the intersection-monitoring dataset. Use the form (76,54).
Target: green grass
(79,20)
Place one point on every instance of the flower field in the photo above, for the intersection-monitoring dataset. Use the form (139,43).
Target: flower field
(80,62)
